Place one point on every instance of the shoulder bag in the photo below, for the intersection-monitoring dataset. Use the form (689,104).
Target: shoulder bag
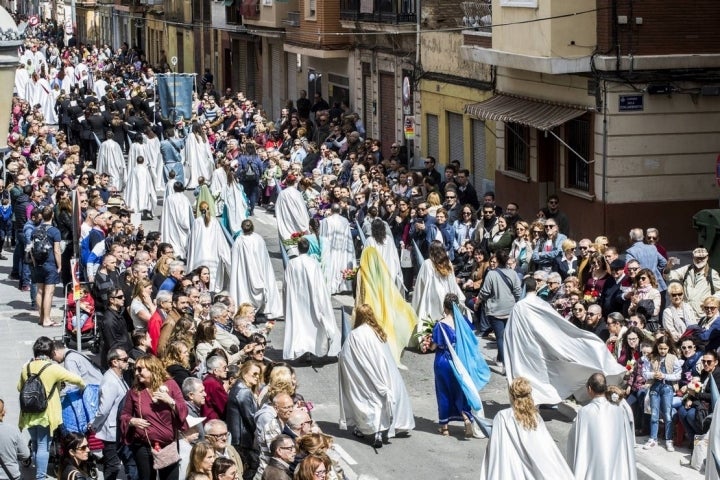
(165,456)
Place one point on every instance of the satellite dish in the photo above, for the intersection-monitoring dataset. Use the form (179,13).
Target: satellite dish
(174,61)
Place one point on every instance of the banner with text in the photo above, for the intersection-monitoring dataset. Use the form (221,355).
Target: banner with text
(175,93)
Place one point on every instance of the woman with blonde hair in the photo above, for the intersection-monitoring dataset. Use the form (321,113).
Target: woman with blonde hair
(433,203)
(521,248)
(142,306)
(373,397)
(520,445)
(202,457)
(313,467)
(207,246)
(319,444)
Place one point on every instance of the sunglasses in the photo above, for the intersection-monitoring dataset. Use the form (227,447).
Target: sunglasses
(707,362)
(688,347)
(82,448)
(652,238)
(550,226)
(675,295)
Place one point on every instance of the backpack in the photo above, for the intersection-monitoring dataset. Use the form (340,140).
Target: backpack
(40,245)
(33,398)
(249,173)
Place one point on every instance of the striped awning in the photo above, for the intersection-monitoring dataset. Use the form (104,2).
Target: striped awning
(535,113)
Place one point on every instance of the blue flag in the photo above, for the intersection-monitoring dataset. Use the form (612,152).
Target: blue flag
(175,94)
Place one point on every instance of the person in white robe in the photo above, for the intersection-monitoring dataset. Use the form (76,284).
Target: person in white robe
(291,210)
(712,462)
(520,446)
(46,99)
(68,81)
(208,247)
(198,157)
(235,209)
(434,280)
(337,250)
(110,160)
(589,453)
(177,219)
(373,397)
(154,159)
(22,77)
(553,354)
(310,325)
(139,193)
(32,90)
(385,245)
(252,277)
(218,183)
(137,149)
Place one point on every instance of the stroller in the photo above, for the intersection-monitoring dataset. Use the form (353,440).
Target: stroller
(90,337)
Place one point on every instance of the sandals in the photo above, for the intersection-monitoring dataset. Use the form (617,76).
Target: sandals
(443,431)
(468,429)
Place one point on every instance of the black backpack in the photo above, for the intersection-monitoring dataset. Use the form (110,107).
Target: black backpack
(33,398)
(249,173)
(40,245)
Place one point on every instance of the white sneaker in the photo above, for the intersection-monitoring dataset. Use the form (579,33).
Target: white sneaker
(669,446)
(650,444)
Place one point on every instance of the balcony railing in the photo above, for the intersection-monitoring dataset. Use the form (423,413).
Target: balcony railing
(477,14)
(380,11)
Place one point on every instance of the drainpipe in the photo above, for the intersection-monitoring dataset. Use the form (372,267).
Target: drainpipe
(418,6)
(604,156)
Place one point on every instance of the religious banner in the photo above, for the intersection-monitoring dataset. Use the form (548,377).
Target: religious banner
(175,94)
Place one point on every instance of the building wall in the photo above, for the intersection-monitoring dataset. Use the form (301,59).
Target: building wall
(311,32)
(667,27)
(522,30)
(439,98)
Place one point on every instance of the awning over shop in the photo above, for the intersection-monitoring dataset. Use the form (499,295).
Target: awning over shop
(228,3)
(525,111)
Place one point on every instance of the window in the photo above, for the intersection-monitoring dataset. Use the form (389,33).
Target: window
(578,136)
(478,152)
(517,148)
(310,9)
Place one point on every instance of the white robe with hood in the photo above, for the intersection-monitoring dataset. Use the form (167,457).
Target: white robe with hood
(110,160)
(252,278)
(207,246)
(154,162)
(22,77)
(176,222)
(310,325)
(235,206)
(338,252)
(46,99)
(198,160)
(373,396)
(139,192)
(291,213)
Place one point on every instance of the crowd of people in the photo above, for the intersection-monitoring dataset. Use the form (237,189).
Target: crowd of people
(183,313)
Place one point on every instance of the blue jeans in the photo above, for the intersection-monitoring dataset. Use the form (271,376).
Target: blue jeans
(661,398)
(19,257)
(40,437)
(498,324)
(251,191)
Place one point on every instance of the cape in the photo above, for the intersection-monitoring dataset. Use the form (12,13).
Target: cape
(553,354)
(252,278)
(310,325)
(373,396)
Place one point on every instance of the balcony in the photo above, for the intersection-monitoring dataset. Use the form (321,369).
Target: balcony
(378,11)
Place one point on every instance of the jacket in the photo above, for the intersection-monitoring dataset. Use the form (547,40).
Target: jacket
(112,391)
(52,417)
(499,299)
(240,415)
(276,470)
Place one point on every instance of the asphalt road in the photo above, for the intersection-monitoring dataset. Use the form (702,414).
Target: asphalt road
(423,455)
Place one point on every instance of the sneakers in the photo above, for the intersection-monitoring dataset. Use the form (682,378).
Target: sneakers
(669,446)
(650,444)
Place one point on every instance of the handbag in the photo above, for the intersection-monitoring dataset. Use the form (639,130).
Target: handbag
(405,258)
(162,457)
